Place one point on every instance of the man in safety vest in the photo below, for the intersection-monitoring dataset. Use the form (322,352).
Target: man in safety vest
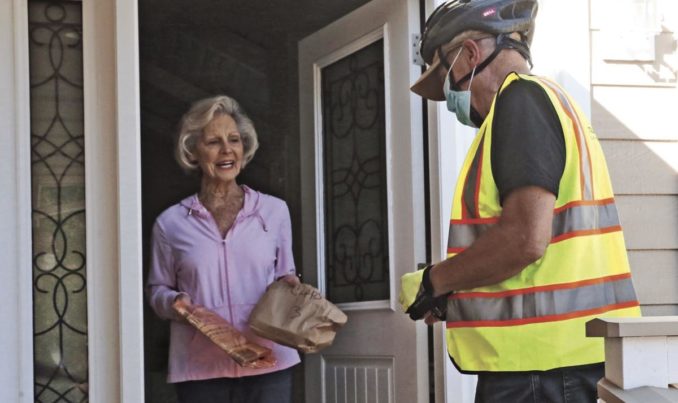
(535,245)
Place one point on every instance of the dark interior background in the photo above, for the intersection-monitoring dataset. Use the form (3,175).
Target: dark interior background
(246,49)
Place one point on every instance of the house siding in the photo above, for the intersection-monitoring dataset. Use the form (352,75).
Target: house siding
(633,110)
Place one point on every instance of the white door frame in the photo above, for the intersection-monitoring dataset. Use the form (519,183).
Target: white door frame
(113,202)
(448,143)
(16,299)
(130,251)
(113,196)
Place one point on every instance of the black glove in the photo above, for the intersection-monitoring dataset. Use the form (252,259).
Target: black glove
(425,302)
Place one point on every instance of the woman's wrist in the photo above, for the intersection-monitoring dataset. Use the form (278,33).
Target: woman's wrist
(293,274)
(180,295)
(292,278)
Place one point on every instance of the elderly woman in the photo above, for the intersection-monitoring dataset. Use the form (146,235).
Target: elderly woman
(220,248)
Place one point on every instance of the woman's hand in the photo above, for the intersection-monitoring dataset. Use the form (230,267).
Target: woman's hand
(290,279)
(183,299)
(182,304)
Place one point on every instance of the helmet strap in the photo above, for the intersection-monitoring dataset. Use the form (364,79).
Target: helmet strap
(503,42)
(506,42)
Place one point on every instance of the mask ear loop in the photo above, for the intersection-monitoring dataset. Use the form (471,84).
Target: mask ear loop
(473,73)
(449,71)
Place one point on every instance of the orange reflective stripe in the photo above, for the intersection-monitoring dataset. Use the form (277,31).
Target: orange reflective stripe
(542,303)
(573,234)
(471,189)
(540,288)
(585,165)
(483,220)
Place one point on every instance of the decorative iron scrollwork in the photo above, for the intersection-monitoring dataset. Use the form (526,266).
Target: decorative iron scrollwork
(354,136)
(58,202)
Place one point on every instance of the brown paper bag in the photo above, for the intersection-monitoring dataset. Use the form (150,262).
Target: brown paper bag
(296,316)
(228,338)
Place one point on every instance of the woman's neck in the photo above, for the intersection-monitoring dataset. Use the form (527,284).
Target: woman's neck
(217,193)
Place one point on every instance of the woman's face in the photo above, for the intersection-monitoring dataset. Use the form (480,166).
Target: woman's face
(219,150)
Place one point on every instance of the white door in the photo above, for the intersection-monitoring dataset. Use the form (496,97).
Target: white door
(363,217)
(109,85)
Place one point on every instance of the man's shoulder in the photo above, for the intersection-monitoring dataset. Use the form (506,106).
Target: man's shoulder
(522,88)
(524,99)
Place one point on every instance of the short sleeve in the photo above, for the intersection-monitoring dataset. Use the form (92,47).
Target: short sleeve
(284,263)
(528,147)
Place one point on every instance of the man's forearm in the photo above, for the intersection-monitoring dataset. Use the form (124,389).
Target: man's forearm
(494,257)
(519,239)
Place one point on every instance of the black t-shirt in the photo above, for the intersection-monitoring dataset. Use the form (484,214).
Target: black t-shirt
(528,147)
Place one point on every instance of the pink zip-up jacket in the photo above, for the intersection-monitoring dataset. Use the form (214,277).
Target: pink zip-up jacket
(227,275)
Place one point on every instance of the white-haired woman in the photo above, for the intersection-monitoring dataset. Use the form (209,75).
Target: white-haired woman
(220,248)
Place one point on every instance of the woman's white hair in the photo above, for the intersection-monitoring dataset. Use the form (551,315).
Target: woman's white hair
(198,117)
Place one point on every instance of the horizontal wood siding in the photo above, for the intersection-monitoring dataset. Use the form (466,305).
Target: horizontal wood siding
(649,222)
(634,112)
(659,310)
(642,167)
(656,267)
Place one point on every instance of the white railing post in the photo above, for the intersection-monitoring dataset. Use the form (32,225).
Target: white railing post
(641,358)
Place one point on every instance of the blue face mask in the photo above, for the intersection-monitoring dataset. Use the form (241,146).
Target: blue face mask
(459,102)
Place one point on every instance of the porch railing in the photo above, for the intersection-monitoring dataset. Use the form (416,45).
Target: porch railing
(641,359)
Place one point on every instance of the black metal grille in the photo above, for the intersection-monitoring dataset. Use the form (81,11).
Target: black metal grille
(354,134)
(58,201)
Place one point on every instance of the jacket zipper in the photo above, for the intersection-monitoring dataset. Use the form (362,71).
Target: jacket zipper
(224,243)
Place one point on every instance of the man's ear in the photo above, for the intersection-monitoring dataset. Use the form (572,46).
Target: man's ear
(473,52)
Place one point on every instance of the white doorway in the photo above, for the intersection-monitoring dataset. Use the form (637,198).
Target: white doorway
(380,355)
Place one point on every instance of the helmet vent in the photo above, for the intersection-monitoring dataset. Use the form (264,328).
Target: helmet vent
(519,9)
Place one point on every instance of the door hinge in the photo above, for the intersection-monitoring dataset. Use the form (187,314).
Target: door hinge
(416,55)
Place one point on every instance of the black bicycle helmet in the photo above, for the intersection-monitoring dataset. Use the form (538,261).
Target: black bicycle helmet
(491,16)
(497,17)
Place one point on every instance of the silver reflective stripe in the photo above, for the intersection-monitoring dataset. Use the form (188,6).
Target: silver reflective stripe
(463,235)
(542,305)
(584,158)
(566,222)
(585,218)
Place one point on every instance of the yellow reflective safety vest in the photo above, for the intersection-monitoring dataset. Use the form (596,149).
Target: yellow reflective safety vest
(536,319)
